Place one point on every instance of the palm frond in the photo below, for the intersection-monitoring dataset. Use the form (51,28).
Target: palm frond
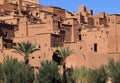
(64,52)
(25,48)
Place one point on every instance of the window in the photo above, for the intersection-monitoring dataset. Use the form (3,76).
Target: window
(80,37)
(37,14)
(33,57)
(96,22)
(39,46)
(95,47)
(6,34)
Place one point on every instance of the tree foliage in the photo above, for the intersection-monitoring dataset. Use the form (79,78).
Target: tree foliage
(25,49)
(63,53)
(100,75)
(87,75)
(48,73)
(16,72)
(73,75)
(113,70)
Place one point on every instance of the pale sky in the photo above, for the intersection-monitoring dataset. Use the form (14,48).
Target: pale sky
(108,6)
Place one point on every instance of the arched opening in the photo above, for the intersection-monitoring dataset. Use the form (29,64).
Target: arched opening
(56,58)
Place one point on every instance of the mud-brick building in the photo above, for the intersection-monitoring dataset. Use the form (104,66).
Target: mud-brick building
(94,38)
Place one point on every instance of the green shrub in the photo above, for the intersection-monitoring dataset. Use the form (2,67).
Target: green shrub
(48,73)
(113,70)
(16,72)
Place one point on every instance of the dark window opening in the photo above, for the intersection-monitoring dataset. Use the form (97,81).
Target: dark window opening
(95,47)
(6,34)
(39,46)
(80,37)
(32,57)
(37,14)
(96,22)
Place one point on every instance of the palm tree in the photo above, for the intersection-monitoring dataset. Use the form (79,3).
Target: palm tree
(25,49)
(63,53)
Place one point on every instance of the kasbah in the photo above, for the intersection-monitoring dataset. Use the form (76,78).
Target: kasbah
(94,38)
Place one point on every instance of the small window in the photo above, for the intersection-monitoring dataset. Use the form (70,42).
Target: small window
(95,47)
(39,46)
(33,57)
(6,34)
(80,47)
(80,37)
(108,20)
(37,14)
(96,22)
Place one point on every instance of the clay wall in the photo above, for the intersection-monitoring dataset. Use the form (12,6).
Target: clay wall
(31,1)
(55,10)
(1,44)
(37,29)
(90,60)
(60,13)
(22,27)
(11,21)
(48,9)
(2,2)
(90,12)
(114,34)
(95,40)
(46,26)
(42,41)
(68,14)
(118,37)
(82,9)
